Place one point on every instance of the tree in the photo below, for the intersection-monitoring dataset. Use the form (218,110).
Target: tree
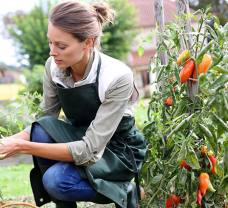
(118,37)
(29,31)
(219,7)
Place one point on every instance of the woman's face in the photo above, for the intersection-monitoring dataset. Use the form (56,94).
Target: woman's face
(66,49)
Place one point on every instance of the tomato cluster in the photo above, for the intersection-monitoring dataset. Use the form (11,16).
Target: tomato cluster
(190,69)
(204,183)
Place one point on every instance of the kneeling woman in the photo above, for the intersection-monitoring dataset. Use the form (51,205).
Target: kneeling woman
(96,152)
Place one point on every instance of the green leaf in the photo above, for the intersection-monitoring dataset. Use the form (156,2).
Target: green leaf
(181,124)
(192,160)
(209,136)
(140,50)
(223,123)
(159,76)
(203,51)
(225,59)
(206,131)
(3,130)
(183,177)
(220,82)
(211,31)
(183,152)
(176,72)
(224,184)
(156,179)
(225,158)
(224,96)
(220,69)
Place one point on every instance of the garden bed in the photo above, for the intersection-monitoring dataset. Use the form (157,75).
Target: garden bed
(28,202)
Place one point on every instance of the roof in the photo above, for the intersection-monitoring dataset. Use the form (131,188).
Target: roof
(146,19)
(145,9)
(141,62)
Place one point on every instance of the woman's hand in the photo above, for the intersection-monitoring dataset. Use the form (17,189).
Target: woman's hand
(10,147)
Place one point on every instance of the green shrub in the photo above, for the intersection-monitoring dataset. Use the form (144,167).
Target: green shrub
(177,132)
(16,115)
(34,80)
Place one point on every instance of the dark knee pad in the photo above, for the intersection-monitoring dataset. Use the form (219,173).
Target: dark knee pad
(40,135)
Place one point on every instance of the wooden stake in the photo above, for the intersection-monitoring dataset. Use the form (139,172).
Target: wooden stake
(183,9)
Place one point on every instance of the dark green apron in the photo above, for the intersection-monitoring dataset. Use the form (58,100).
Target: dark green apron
(110,175)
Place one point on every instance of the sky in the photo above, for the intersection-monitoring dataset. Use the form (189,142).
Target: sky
(8,52)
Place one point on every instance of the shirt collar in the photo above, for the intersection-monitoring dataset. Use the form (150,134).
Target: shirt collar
(64,77)
(66,73)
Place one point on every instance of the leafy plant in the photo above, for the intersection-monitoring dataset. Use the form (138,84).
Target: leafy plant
(34,80)
(114,41)
(25,110)
(176,133)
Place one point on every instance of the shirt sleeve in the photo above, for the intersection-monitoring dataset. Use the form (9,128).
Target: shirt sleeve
(50,103)
(91,148)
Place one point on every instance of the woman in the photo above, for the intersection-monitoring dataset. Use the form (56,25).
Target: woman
(95,153)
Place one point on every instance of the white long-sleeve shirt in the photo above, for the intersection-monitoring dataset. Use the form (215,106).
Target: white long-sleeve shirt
(115,91)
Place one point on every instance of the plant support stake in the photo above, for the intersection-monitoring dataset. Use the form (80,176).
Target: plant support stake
(160,24)
(183,11)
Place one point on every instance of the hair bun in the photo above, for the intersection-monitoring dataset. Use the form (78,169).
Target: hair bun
(104,13)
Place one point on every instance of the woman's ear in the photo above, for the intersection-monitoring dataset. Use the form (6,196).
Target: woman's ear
(89,43)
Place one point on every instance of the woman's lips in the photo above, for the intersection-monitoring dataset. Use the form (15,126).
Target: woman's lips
(58,61)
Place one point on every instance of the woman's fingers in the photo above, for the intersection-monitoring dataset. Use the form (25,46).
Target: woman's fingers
(2,156)
(7,148)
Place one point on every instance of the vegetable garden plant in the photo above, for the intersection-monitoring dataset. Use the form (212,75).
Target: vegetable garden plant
(187,162)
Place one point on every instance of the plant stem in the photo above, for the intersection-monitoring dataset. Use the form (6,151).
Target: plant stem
(197,36)
(204,37)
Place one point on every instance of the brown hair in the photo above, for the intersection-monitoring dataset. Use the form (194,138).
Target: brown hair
(81,19)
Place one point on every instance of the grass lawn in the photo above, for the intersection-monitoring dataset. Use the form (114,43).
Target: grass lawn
(14,181)
(9,91)
(15,185)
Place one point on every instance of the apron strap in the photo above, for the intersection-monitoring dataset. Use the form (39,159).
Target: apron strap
(98,70)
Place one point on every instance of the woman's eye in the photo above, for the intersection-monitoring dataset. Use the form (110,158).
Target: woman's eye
(57,45)
(62,48)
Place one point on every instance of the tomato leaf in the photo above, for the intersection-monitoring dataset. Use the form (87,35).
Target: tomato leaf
(225,159)
(224,184)
(156,179)
(192,160)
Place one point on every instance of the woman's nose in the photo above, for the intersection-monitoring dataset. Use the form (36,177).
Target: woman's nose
(53,51)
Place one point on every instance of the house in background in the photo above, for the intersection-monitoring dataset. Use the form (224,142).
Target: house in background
(146,24)
(9,74)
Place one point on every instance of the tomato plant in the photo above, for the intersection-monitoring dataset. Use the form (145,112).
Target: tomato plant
(190,137)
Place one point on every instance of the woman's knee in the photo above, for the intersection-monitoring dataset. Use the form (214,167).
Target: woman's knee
(63,182)
(40,135)
(56,180)
(52,179)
